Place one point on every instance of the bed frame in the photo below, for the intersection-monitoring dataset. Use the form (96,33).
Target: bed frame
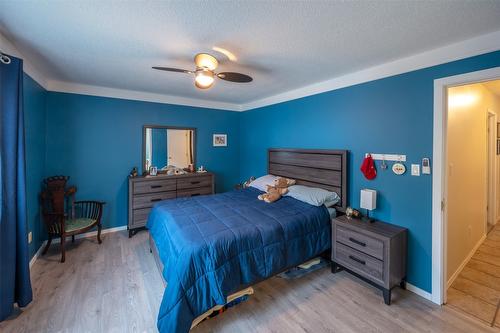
(325,169)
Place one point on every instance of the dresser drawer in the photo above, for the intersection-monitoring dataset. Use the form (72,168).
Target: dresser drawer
(194,192)
(360,263)
(366,244)
(140,217)
(153,186)
(204,181)
(148,200)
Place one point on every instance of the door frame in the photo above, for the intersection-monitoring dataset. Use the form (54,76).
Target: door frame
(492,168)
(439,184)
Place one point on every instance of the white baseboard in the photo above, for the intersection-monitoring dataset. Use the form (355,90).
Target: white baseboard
(465,262)
(418,291)
(85,235)
(37,254)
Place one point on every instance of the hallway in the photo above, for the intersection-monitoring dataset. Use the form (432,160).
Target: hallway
(476,291)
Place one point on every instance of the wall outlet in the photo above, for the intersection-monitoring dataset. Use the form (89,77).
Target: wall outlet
(30,237)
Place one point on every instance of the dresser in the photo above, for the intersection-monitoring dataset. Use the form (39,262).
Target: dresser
(374,252)
(145,191)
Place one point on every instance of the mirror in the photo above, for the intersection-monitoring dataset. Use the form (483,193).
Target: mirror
(165,146)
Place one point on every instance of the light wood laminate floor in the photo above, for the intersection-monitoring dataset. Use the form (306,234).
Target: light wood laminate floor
(476,291)
(115,287)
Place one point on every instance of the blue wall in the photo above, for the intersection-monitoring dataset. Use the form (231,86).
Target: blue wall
(159,142)
(391,115)
(35,129)
(97,141)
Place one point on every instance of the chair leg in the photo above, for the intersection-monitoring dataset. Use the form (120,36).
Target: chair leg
(63,250)
(46,248)
(73,239)
(99,228)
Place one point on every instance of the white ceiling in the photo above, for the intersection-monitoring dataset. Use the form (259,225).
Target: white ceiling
(283,45)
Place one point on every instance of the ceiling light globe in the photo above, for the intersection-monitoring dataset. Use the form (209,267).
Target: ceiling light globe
(204,79)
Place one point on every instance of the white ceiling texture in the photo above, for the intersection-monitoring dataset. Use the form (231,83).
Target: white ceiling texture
(286,46)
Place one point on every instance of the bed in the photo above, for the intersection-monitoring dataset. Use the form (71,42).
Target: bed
(208,247)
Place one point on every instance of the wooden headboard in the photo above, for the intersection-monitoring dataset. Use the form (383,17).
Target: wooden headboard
(325,169)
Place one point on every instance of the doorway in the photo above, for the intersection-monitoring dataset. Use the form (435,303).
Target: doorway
(471,258)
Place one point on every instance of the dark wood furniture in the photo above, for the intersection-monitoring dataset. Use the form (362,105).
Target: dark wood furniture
(144,192)
(63,216)
(321,168)
(374,252)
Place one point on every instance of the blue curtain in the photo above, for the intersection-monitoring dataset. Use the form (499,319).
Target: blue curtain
(15,285)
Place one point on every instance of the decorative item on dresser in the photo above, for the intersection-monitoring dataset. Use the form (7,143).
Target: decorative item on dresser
(374,252)
(145,191)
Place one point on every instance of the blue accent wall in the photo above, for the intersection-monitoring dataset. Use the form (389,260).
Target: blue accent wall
(35,129)
(391,115)
(97,141)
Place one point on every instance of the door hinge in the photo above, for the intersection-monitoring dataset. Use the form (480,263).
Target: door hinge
(443,204)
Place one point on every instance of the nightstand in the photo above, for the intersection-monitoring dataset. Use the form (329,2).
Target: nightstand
(374,252)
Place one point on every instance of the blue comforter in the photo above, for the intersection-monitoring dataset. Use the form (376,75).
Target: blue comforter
(212,246)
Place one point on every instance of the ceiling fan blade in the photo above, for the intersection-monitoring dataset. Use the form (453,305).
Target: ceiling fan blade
(234,77)
(169,69)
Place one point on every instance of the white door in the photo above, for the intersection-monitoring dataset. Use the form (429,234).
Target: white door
(177,147)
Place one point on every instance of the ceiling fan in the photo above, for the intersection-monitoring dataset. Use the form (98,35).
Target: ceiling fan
(204,74)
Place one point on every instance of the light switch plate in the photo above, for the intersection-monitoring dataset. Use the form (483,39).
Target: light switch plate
(415,169)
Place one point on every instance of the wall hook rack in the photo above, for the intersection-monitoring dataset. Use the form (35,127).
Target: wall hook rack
(388,157)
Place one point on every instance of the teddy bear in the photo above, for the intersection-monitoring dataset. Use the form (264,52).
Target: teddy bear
(276,191)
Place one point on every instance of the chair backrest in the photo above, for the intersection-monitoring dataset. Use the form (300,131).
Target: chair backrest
(54,200)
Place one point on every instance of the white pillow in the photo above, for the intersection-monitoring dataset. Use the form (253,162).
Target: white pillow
(262,182)
(313,195)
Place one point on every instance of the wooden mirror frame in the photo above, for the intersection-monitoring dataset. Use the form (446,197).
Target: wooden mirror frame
(165,127)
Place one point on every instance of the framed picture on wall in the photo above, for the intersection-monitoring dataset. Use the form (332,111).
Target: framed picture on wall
(220,140)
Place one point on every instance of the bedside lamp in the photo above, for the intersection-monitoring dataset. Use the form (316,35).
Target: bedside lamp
(368,201)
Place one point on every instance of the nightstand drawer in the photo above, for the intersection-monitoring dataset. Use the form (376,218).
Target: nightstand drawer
(360,263)
(366,244)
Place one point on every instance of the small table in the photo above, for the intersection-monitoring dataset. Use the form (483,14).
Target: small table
(375,252)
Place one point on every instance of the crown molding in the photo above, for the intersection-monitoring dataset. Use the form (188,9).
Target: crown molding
(83,89)
(7,46)
(464,49)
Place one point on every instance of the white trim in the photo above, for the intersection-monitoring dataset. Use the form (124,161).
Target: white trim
(492,169)
(9,47)
(465,262)
(418,291)
(85,235)
(464,49)
(37,254)
(439,177)
(83,89)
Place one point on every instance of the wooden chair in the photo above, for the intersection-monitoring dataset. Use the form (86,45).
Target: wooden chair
(64,216)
